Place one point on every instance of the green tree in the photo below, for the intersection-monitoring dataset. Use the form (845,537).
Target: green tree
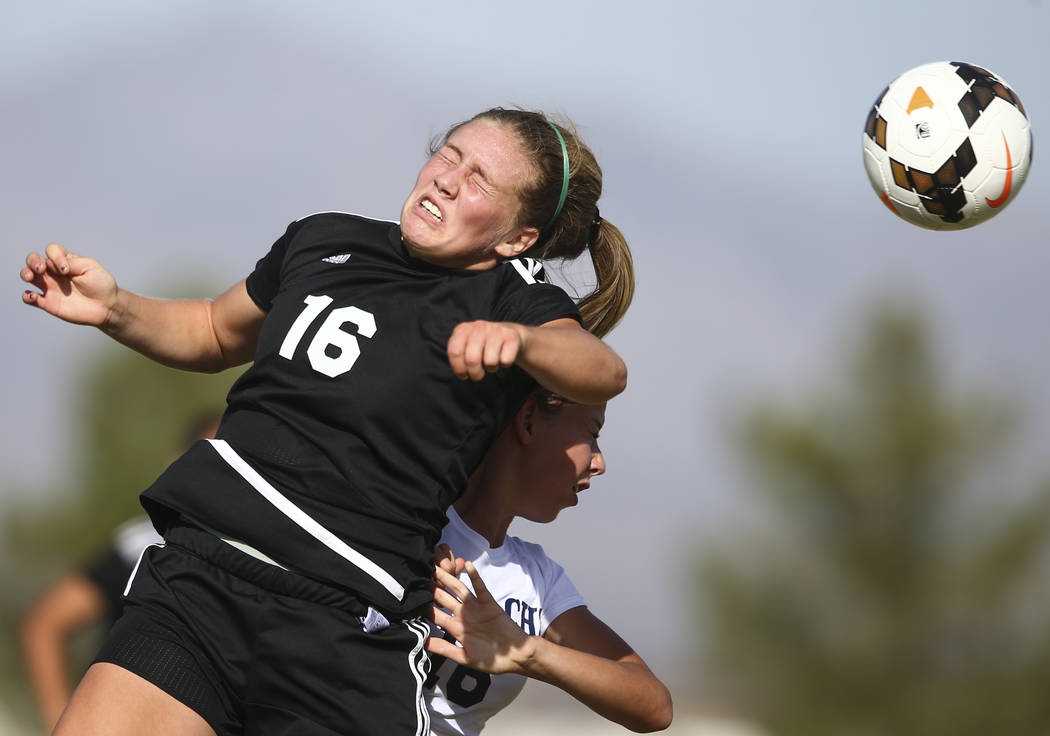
(132,417)
(896,587)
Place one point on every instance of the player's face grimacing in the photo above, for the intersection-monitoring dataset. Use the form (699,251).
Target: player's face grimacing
(564,454)
(463,210)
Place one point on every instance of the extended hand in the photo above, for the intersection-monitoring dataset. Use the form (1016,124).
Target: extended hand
(490,641)
(73,288)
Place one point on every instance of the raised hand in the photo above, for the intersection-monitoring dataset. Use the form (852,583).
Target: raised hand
(73,288)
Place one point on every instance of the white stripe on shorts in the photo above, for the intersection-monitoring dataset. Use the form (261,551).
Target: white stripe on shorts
(416,662)
(134,570)
(307,522)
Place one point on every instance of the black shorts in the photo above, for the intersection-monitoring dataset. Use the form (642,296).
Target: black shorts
(255,649)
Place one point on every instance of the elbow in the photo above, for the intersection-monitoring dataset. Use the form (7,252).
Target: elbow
(614,380)
(657,717)
(663,716)
(620,378)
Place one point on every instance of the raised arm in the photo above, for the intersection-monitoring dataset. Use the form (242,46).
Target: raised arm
(205,335)
(578,653)
(560,355)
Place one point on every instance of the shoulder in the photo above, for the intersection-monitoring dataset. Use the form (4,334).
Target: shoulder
(528,270)
(344,217)
(525,551)
(341,223)
(528,297)
(334,236)
(548,576)
(554,591)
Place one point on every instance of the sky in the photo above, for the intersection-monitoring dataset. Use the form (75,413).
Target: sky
(179,138)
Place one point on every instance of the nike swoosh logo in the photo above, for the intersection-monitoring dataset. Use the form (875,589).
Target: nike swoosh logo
(998,202)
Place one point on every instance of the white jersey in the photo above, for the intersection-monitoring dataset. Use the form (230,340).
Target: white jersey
(532,588)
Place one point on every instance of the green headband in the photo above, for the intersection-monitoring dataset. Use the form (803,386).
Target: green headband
(564,175)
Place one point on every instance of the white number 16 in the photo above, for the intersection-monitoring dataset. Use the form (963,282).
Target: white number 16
(329,334)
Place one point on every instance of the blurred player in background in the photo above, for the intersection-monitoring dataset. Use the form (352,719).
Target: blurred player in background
(83,598)
(515,612)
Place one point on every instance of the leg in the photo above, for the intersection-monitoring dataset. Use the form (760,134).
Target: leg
(114,701)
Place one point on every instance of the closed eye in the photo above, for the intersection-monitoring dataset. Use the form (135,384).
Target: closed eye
(478,181)
(448,154)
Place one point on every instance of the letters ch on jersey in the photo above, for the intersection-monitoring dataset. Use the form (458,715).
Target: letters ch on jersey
(522,614)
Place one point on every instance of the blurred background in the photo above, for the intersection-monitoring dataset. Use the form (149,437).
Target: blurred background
(826,505)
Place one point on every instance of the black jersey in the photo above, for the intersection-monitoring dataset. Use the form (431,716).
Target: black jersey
(348,437)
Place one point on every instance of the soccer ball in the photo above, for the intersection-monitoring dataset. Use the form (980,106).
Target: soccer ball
(947,145)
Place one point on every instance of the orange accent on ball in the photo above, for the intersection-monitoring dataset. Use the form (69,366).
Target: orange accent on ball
(886,201)
(919,99)
(997,202)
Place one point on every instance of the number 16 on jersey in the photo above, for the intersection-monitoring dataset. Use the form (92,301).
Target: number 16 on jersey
(330,334)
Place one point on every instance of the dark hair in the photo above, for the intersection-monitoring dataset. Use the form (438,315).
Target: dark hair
(577,226)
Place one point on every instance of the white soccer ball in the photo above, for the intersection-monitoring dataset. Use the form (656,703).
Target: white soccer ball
(947,145)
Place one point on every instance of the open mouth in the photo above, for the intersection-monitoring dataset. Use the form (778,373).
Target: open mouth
(432,209)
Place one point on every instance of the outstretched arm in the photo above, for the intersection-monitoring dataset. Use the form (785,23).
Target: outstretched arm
(206,335)
(560,355)
(578,653)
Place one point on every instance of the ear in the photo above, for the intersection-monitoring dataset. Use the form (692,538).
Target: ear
(525,422)
(518,243)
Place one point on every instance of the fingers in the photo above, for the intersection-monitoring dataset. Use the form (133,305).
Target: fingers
(433,644)
(444,558)
(491,351)
(55,260)
(36,266)
(464,352)
(54,264)
(451,595)
(58,257)
(480,591)
(509,351)
(477,348)
(450,582)
(447,560)
(442,648)
(39,271)
(447,603)
(447,613)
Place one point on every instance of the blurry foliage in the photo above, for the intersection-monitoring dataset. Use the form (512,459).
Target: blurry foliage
(899,589)
(133,418)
